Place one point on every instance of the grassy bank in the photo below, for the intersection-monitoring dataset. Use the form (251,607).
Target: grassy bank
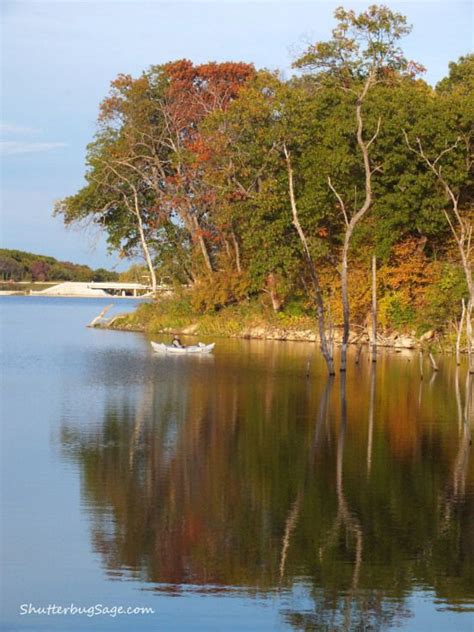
(24,287)
(176,315)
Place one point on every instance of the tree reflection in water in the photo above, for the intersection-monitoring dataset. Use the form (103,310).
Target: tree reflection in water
(243,475)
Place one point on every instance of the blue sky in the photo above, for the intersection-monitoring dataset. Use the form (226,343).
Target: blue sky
(59,57)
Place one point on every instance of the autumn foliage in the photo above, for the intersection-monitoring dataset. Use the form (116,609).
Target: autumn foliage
(188,164)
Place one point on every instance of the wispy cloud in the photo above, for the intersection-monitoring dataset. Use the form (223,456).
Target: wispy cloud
(14,147)
(7,129)
(10,145)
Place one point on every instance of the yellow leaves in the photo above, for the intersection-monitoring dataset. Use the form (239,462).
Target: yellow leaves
(409,268)
(225,287)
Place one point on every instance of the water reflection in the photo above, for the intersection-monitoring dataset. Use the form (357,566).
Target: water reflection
(240,473)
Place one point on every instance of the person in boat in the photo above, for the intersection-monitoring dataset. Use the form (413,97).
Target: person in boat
(176,342)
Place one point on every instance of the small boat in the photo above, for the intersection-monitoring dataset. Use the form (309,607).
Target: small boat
(199,348)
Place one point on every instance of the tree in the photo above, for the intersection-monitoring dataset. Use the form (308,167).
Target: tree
(9,268)
(39,271)
(143,179)
(443,144)
(362,53)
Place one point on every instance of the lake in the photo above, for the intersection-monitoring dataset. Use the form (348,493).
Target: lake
(228,492)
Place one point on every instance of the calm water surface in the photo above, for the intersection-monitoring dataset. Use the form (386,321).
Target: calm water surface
(228,492)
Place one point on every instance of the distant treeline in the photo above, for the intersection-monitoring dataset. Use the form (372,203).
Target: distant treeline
(16,265)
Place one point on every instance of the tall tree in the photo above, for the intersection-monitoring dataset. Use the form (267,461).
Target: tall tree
(143,178)
(363,52)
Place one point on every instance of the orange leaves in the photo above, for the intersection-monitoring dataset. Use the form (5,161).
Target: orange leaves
(125,92)
(409,267)
(201,150)
(108,107)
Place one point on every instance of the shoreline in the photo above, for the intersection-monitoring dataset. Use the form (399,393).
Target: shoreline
(394,340)
(40,295)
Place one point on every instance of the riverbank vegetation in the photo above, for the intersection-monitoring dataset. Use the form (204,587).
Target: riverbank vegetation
(255,190)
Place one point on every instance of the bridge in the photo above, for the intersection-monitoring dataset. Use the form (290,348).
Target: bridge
(116,288)
(102,289)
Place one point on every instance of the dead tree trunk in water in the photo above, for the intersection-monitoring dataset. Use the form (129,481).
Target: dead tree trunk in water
(323,341)
(351,223)
(433,362)
(459,334)
(374,309)
(470,341)
(371,419)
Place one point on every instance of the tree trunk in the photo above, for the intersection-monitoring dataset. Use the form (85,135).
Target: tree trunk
(351,223)
(469,337)
(325,349)
(146,251)
(277,302)
(135,210)
(345,300)
(459,334)
(237,253)
(202,245)
(433,362)
(374,309)
(371,419)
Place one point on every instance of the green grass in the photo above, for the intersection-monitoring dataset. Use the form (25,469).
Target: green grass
(176,313)
(24,287)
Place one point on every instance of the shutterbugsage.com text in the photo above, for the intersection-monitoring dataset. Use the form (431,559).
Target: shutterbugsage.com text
(96,610)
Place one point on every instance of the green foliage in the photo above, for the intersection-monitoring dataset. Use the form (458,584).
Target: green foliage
(443,298)
(395,311)
(136,273)
(360,45)
(460,77)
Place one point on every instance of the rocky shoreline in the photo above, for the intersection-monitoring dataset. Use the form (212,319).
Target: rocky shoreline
(395,340)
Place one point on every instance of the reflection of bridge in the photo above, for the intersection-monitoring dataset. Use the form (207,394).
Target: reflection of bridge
(102,289)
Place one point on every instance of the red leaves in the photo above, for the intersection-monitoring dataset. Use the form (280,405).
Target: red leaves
(194,91)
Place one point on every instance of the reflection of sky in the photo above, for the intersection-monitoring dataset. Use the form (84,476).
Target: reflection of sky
(59,57)
(427,615)
(54,371)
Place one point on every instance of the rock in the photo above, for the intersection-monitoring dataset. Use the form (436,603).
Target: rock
(429,335)
(405,342)
(190,329)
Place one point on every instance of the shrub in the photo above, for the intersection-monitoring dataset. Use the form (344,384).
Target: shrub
(225,288)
